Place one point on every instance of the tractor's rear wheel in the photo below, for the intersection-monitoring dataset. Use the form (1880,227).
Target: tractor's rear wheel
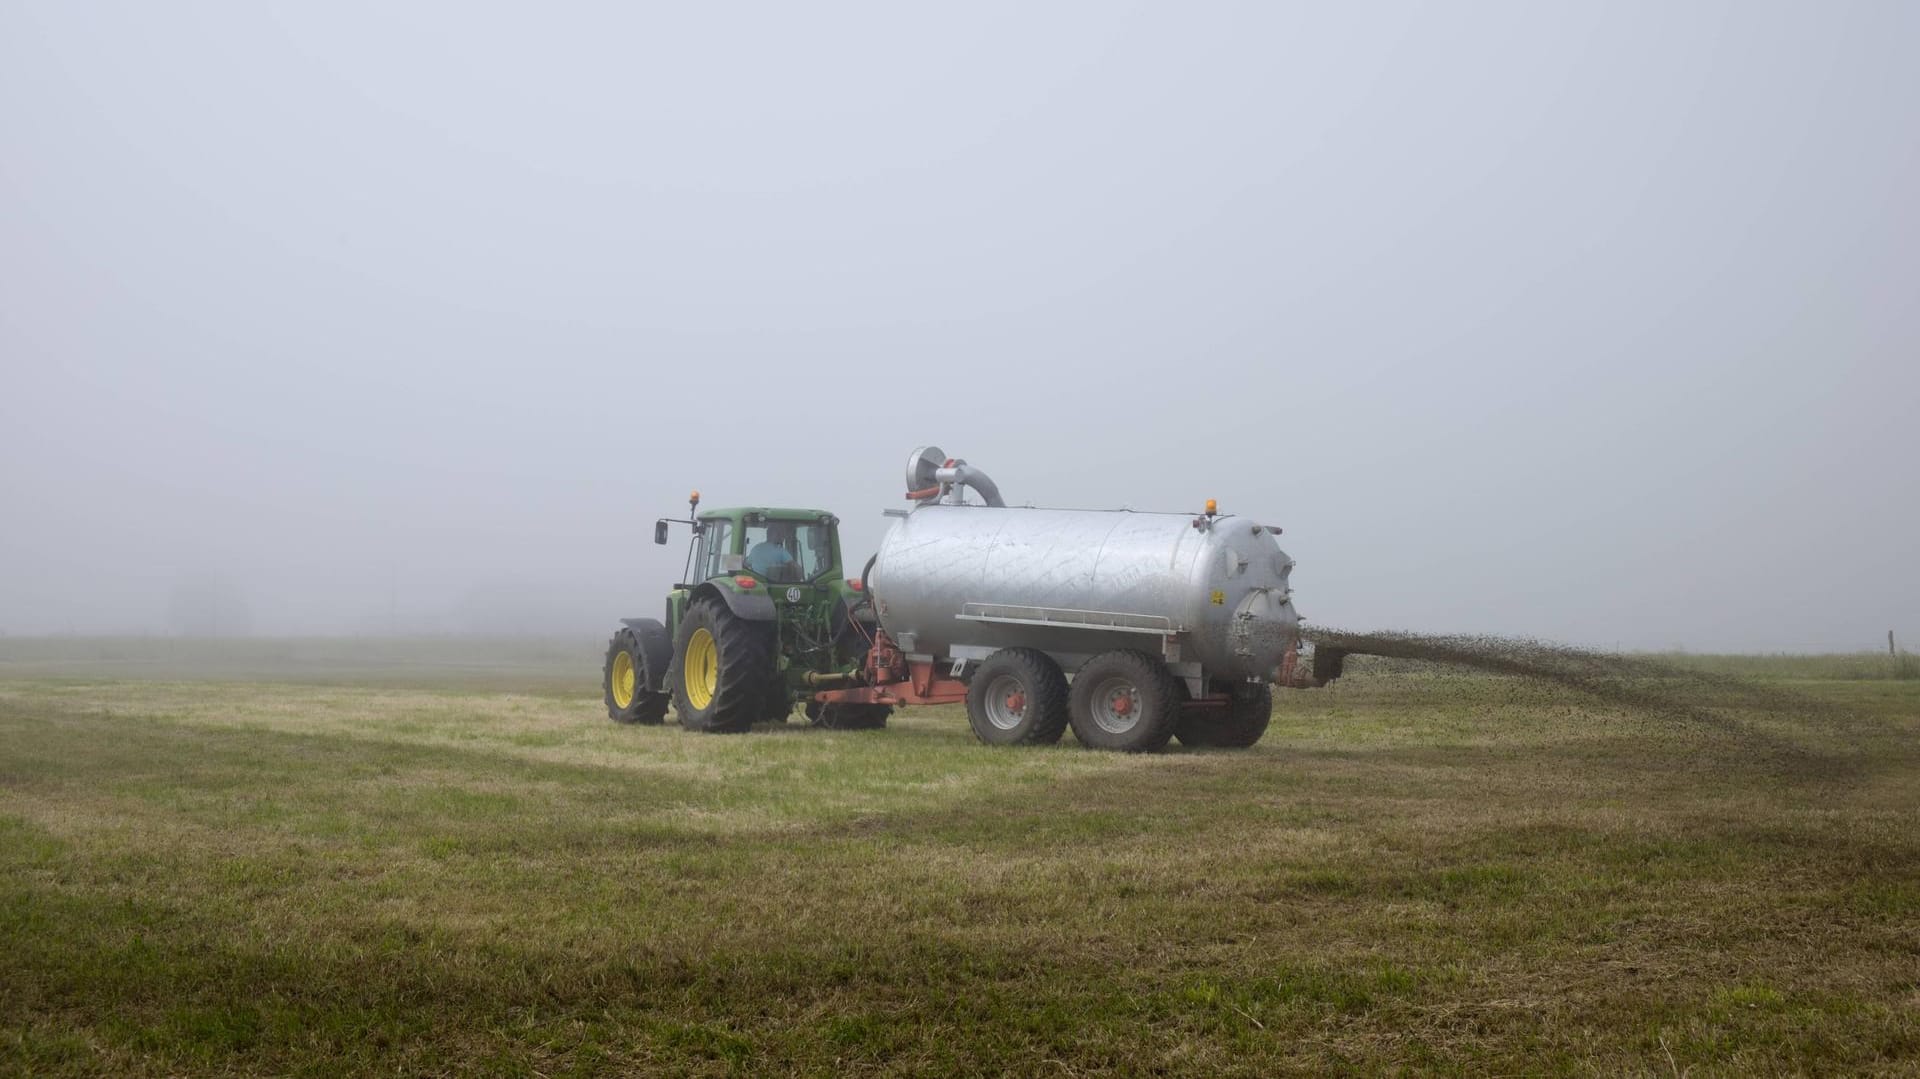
(1124,700)
(1018,697)
(624,683)
(1239,725)
(721,665)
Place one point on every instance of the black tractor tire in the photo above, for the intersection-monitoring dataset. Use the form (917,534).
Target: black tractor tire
(849,717)
(1018,697)
(1125,701)
(1237,726)
(735,695)
(623,682)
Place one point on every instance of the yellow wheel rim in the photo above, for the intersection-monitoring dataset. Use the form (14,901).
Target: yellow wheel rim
(703,668)
(623,680)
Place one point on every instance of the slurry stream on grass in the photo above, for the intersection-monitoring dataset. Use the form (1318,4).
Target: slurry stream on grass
(1643,684)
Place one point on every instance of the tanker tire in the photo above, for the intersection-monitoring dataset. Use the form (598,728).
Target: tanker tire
(745,661)
(646,708)
(1239,725)
(1151,708)
(1041,717)
(849,717)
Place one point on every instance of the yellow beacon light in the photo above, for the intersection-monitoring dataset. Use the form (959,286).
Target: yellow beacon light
(1212,507)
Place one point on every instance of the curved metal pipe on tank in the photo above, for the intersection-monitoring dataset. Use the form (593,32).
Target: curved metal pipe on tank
(963,473)
(931,474)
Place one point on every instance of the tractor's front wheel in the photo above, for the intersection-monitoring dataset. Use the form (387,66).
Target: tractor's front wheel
(848,717)
(721,663)
(623,681)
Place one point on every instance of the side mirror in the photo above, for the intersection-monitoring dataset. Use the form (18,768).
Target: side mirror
(659,531)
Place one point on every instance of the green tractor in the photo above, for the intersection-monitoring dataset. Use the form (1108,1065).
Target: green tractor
(764,618)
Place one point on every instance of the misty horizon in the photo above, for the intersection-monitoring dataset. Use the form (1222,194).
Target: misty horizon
(1593,324)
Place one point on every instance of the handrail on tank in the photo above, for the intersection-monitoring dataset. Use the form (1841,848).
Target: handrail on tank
(1066,616)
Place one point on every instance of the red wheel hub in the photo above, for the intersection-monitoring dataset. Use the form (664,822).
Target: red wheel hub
(1122,704)
(1016,702)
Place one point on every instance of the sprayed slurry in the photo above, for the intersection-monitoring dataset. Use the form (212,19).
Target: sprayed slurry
(1642,684)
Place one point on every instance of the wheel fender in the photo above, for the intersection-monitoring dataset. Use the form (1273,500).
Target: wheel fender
(656,650)
(751,606)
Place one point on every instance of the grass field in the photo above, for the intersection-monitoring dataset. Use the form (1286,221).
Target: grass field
(313,858)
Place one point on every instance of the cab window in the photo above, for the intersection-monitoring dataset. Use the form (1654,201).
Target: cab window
(788,551)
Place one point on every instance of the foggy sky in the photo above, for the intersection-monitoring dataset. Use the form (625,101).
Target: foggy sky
(1594,322)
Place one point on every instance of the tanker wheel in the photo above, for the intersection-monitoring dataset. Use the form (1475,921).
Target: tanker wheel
(1240,724)
(722,663)
(848,717)
(624,683)
(1018,697)
(1124,700)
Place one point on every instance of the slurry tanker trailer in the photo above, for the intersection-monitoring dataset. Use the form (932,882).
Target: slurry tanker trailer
(1130,627)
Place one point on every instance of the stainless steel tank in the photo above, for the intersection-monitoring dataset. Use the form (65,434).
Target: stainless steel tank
(1208,593)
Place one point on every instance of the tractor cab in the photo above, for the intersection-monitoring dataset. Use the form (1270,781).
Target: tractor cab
(775,546)
(760,556)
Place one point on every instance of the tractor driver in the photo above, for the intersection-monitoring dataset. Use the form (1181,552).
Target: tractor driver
(770,557)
